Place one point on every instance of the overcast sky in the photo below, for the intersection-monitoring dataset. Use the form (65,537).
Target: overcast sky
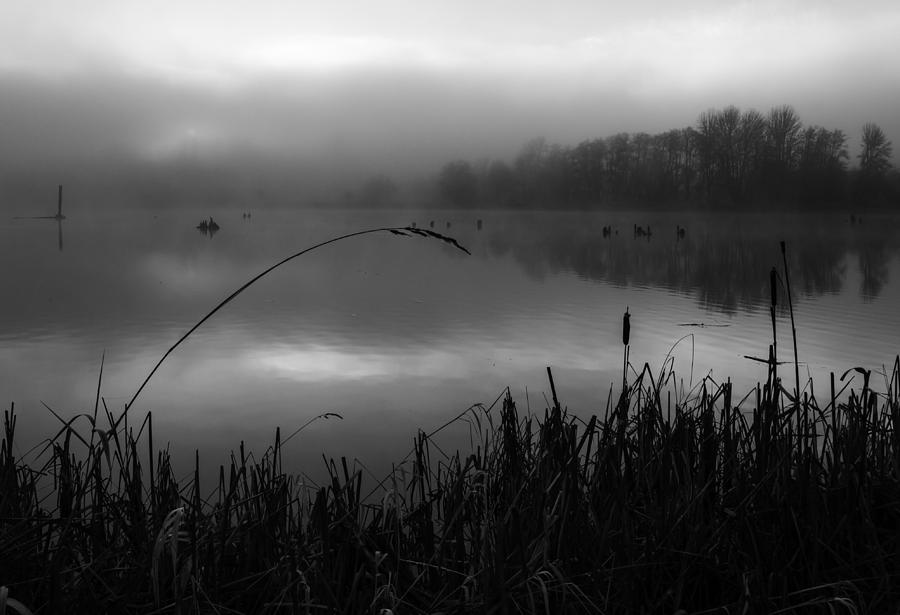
(406,83)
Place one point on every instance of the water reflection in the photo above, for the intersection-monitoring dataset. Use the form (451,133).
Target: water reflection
(59,226)
(723,262)
(873,265)
(209,227)
(406,331)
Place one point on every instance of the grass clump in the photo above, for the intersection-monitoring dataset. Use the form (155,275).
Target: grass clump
(773,504)
(778,503)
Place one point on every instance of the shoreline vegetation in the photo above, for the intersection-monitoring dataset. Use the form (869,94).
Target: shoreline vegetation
(731,159)
(673,501)
(689,504)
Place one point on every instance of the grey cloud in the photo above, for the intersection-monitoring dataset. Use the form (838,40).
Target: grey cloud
(105,125)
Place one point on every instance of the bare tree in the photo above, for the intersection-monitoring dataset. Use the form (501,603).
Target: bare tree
(874,163)
(750,148)
(458,183)
(875,157)
(783,128)
(718,134)
(821,166)
(705,137)
(783,131)
(588,162)
(499,182)
(618,167)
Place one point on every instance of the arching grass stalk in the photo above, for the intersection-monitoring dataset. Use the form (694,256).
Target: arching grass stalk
(773,349)
(404,231)
(804,418)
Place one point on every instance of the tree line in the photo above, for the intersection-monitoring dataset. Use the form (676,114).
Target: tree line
(730,157)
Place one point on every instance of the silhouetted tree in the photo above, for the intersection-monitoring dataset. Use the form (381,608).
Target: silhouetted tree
(874,162)
(618,162)
(727,151)
(556,180)
(530,165)
(876,150)
(641,176)
(588,170)
(750,155)
(705,140)
(458,183)
(688,160)
(730,156)
(783,129)
(667,164)
(499,184)
(720,148)
(782,133)
(821,165)
(378,190)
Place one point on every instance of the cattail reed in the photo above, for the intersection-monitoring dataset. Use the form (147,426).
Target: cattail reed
(712,508)
(611,505)
(773,293)
(787,282)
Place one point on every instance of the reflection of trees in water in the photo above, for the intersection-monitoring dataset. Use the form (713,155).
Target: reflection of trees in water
(725,270)
(820,269)
(873,266)
(734,275)
(729,276)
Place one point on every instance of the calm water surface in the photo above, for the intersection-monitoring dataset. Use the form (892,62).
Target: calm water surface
(396,334)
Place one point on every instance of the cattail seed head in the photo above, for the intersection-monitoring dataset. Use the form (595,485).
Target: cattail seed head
(626,327)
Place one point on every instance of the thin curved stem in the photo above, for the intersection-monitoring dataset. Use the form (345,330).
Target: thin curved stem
(403,231)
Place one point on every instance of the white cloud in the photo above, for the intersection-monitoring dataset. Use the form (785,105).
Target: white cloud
(695,43)
(317,363)
(318,73)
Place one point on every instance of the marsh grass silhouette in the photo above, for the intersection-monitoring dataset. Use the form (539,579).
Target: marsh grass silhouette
(671,499)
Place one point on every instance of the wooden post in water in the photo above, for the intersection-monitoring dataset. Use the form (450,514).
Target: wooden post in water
(59,203)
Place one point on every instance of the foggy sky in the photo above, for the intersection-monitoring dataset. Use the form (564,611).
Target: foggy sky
(399,87)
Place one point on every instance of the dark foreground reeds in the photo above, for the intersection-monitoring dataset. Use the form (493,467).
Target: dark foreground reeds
(775,503)
(700,504)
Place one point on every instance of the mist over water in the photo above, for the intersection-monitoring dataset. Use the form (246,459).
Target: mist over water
(679,219)
(397,334)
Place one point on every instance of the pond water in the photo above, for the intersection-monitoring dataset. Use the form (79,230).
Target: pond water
(395,334)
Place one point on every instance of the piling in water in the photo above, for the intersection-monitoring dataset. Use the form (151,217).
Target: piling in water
(59,214)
